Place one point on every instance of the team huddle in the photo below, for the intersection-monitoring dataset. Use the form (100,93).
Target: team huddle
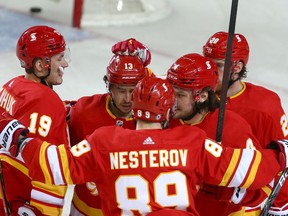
(147,146)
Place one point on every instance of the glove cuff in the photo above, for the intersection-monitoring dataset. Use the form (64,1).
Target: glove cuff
(277,212)
(22,143)
(10,133)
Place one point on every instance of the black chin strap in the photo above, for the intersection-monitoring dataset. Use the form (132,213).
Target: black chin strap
(43,78)
(165,124)
(231,82)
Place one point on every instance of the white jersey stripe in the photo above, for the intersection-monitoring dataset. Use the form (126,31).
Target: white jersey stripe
(74,211)
(242,168)
(54,165)
(47,198)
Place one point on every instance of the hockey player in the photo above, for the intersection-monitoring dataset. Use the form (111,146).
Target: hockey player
(261,107)
(194,79)
(150,168)
(17,195)
(112,108)
(30,98)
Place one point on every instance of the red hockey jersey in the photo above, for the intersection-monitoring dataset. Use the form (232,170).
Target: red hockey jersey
(140,171)
(263,111)
(41,110)
(88,114)
(17,184)
(237,133)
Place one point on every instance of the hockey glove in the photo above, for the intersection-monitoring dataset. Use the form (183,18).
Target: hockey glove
(282,147)
(10,130)
(278,211)
(68,108)
(133,47)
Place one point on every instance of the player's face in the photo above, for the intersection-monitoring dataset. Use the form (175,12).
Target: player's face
(185,101)
(58,63)
(220,64)
(121,95)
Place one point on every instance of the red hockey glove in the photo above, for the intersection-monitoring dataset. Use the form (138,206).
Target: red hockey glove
(282,147)
(133,47)
(278,211)
(68,107)
(10,130)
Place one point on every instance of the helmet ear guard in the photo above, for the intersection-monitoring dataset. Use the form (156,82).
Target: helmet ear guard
(105,79)
(196,94)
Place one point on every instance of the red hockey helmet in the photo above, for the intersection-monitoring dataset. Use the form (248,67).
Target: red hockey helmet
(125,69)
(216,45)
(152,98)
(193,71)
(39,42)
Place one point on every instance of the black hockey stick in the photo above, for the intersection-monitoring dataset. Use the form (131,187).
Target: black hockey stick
(3,192)
(227,69)
(274,192)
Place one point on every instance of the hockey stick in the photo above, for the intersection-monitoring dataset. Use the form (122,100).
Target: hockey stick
(274,192)
(227,69)
(3,192)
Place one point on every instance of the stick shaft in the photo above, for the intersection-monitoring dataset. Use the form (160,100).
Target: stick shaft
(3,192)
(274,193)
(227,69)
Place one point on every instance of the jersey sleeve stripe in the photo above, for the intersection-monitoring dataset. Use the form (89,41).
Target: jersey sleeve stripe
(252,174)
(79,204)
(267,190)
(54,164)
(15,163)
(242,168)
(230,170)
(43,162)
(65,164)
(46,209)
(47,198)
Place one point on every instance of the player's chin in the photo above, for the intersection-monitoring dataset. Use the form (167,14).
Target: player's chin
(177,115)
(59,81)
(126,109)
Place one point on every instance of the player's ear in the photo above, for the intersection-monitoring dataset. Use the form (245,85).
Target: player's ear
(238,67)
(39,65)
(203,96)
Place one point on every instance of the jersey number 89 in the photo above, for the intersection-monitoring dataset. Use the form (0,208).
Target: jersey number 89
(141,199)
